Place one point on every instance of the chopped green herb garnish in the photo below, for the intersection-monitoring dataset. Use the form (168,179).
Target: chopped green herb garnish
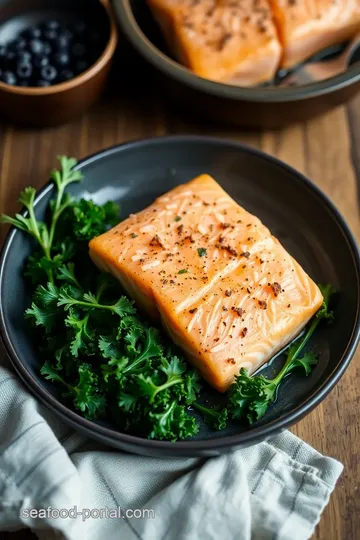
(177,218)
(133,235)
(183,271)
(202,252)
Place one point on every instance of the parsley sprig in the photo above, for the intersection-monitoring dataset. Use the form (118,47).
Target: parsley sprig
(40,231)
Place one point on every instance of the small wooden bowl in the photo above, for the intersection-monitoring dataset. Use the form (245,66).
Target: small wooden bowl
(57,104)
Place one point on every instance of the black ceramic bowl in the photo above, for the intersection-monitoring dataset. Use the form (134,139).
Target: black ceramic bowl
(302,218)
(250,107)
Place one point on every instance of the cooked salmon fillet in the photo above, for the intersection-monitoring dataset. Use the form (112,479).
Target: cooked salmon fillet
(226,41)
(306,27)
(225,289)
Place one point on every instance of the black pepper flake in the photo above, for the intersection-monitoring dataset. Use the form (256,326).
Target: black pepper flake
(246,254)
(165,281)
(262,304)
(172,281)
(180,229)
(228,292)
(231,361)
(225,308)
(216,339)
(289,305)
(225,225)
(243,332)
(225,247)
(238,310)
(156,242)
(276,287)
(224,323)
(141,260)
(248,290)
(193,310)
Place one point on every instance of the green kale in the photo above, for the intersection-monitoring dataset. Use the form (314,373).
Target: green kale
(251,396)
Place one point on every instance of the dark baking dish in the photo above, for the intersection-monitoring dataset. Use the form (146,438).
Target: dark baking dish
(266,107)
(302,217)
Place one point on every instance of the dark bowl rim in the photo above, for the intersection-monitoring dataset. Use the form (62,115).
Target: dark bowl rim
(176,71)
(104,58)
(194,447)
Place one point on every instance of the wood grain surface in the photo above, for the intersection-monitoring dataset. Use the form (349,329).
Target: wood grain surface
(327,149)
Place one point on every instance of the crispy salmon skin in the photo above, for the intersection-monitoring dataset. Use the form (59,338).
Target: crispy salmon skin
(227,41)
(226,290)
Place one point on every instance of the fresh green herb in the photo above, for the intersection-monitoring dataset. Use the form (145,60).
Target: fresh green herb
(202,252)
(251,396)
(133,235)
(177,218)
(103,357)
(183,271)
(216,418)
(44,234)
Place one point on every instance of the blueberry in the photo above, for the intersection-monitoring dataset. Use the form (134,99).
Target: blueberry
(66,75)
(81,66)
(68,34)
(19,44)
(51,25)
(62,42)
(24,56)
(51,35)
(31,33)
(48,73)
(9,60)
(78,50)
(47,49)
(41,61)
(36,46)
(42,83)
(3,55)
(24,71)
(9,77)
(61,59)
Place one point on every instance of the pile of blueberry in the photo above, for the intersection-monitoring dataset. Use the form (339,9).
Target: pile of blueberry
(49,53)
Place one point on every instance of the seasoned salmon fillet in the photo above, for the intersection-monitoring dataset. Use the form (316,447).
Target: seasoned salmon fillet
(224,41)
(306,27)
(226,290)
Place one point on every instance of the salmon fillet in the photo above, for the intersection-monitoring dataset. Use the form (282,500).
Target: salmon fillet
(306,27)
(225,41)
(225,289)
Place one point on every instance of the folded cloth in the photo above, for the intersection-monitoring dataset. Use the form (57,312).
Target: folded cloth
(62,485)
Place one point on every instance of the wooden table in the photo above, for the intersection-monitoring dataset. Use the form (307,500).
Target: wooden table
(326,149)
